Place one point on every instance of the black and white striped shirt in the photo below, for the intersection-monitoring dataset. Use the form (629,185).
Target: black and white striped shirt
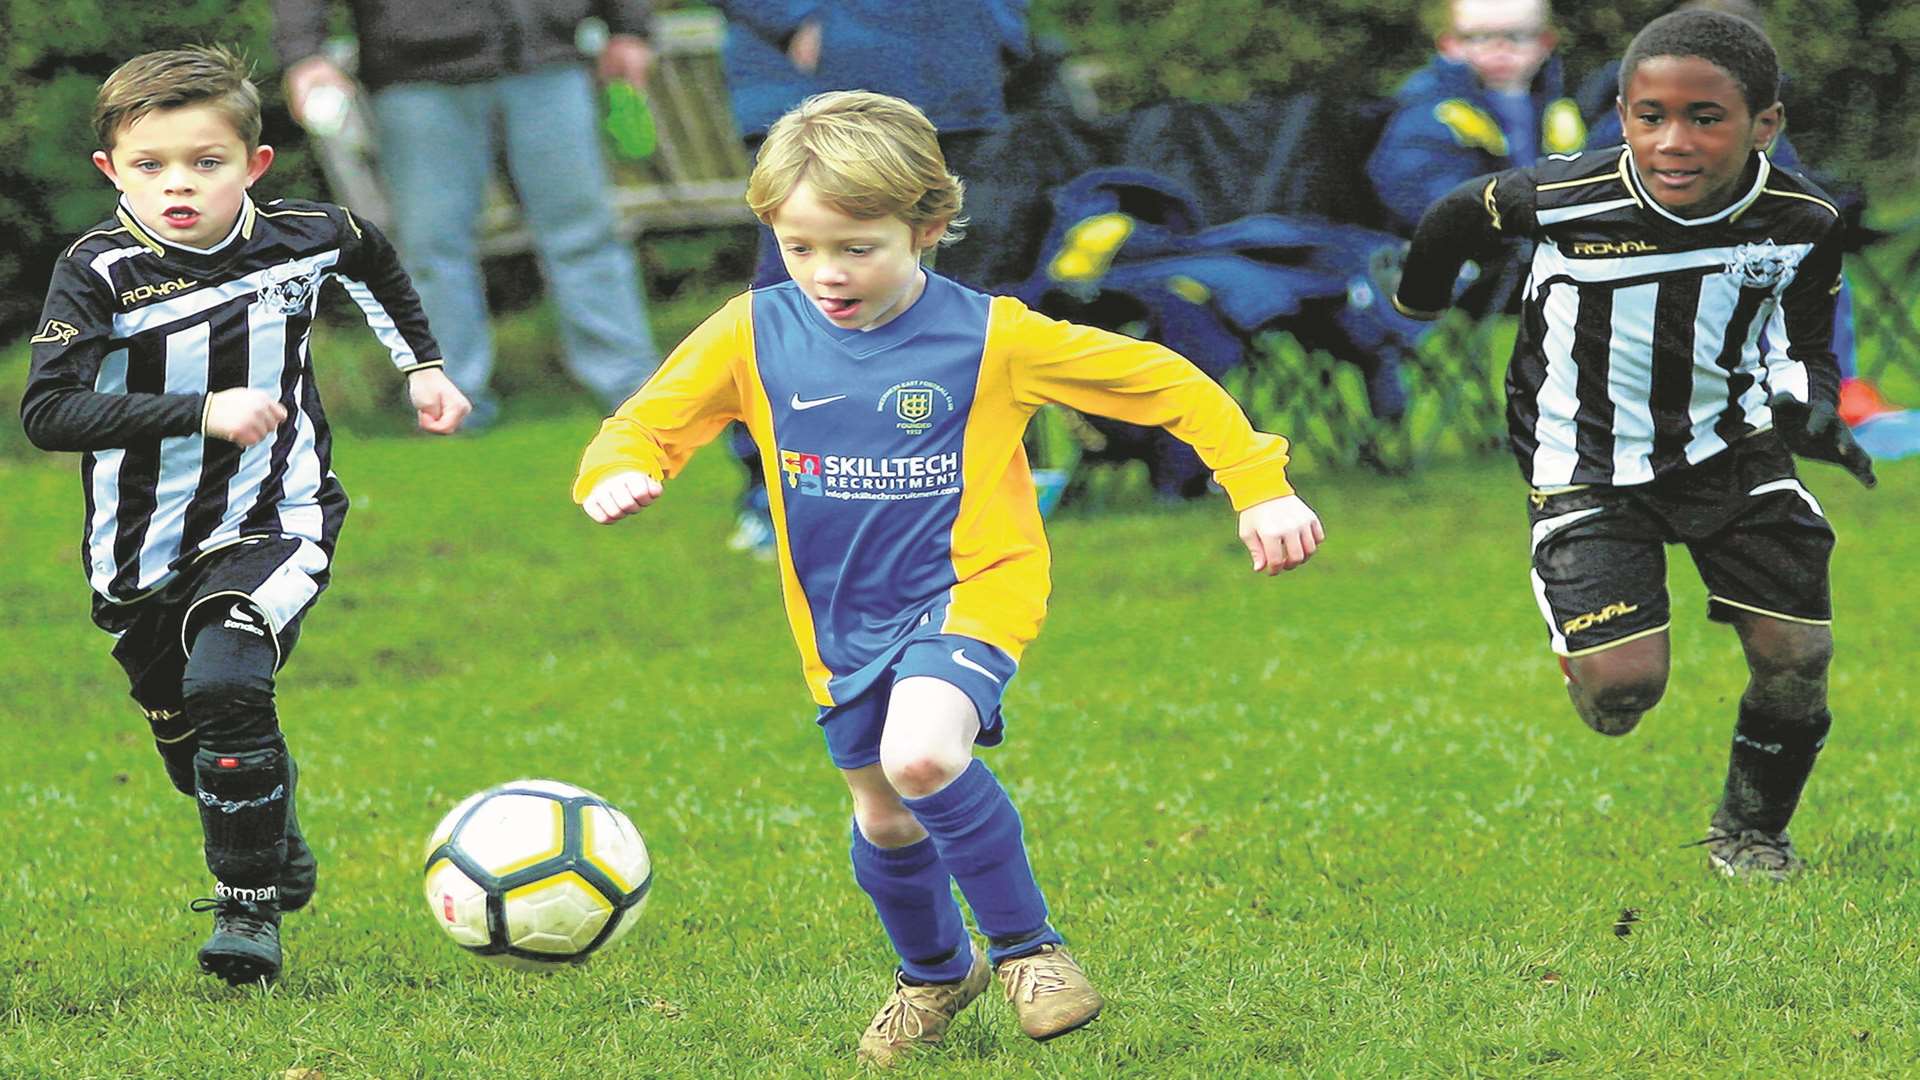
(137,332)
(1647,341)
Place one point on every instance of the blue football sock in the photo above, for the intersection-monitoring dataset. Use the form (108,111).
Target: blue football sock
(914,896)
(977,831)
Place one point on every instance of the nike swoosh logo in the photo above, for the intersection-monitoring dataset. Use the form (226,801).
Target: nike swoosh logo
(803,406)
(960,657)
(241,614)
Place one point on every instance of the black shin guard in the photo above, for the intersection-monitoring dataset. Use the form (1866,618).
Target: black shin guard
(243,812)
(1768,767)
(177,740)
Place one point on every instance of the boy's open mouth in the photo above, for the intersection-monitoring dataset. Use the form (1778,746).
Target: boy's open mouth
(1676,177)
(838,307)
(181,215)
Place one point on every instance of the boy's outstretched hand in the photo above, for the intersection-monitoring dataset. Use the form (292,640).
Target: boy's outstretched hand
(1817,432)
(619,495)
(1280,533)
(440,404)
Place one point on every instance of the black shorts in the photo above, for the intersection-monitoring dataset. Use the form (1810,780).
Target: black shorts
(261,585)
(1756,534)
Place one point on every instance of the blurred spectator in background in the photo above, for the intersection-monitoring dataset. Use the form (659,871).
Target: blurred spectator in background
(442,74)
(1490,99)
(949,59)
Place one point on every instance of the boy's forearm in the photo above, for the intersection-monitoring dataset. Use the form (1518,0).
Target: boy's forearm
(74,419)
(1458,227)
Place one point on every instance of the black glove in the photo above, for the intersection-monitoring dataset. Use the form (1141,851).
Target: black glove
(1816,431)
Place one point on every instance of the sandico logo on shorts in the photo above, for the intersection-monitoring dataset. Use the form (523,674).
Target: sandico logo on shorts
(242,618)
(1595,618)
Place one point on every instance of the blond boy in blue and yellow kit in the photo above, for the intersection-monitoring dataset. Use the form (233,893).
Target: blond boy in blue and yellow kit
(890,403)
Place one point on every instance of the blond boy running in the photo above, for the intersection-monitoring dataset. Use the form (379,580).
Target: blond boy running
(890,402)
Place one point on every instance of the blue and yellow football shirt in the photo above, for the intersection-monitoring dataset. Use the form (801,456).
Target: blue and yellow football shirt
(899,486)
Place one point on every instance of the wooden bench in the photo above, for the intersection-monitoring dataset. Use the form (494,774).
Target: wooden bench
(696,175)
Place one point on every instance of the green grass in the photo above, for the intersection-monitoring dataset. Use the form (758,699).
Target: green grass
(1338,823)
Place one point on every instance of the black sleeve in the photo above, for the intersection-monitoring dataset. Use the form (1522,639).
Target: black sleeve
(626,16)
(1807,310)
(61,410)
(299,29)
(774,20)
(1473,221)
(370,269)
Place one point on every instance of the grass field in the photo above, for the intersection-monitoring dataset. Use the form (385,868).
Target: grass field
(1339,823)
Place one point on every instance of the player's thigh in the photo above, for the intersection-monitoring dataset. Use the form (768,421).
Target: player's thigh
(262,587)
(946,695)
(1599,572)
(148,649)
(928,718)
(1771,558)
(1785,650)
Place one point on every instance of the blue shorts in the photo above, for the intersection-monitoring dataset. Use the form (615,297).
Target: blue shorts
(979,670)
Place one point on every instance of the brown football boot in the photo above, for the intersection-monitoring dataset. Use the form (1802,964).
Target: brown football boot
(1049,992)
(919,1015)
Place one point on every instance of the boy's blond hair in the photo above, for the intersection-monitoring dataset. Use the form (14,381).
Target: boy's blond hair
(1439,16)
(175,78)
(866,155)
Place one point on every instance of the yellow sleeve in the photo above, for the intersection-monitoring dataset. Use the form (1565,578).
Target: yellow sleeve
(1141,382)
(681,408)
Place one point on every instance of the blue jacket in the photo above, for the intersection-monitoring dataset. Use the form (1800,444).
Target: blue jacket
(947,58)
(1444,133)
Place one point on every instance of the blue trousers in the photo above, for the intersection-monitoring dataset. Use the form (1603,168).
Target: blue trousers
(436,146)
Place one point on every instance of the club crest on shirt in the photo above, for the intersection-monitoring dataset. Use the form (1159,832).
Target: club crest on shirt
(1761,266)
(289,290)
(917,403)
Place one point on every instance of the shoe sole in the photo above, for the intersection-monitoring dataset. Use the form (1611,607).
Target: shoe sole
(239,970)
(1070,1029)
(1726,870)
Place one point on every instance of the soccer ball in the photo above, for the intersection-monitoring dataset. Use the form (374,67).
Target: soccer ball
(535,874)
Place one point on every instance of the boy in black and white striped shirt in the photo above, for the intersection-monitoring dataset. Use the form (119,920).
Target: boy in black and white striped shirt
(1681,293)
(172,353)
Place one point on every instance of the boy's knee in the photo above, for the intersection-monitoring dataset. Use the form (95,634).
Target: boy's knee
(1615,706)
(887,826)
(917,771)
(1798,657)
(227,690)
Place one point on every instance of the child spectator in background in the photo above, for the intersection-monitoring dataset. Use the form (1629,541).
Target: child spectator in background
(1490,99)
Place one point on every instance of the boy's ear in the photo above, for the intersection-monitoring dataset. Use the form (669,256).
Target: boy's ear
(1449,45)
(1768,125)
(927,237)
(258,161)
(104,162)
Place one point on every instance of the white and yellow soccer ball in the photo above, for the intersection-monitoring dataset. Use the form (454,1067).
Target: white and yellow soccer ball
(536,874)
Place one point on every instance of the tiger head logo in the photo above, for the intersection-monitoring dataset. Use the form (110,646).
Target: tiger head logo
(1761,266)
(288,290)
